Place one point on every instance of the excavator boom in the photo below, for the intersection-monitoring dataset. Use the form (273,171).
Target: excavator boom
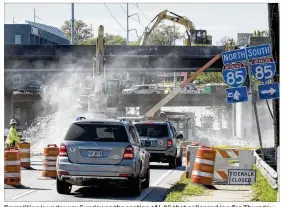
(174,93)
(162,16)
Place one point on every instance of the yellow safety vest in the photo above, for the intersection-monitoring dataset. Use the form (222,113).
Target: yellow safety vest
(12,136)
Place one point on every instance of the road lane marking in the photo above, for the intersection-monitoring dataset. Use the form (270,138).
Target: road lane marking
(155,184)
(20,195)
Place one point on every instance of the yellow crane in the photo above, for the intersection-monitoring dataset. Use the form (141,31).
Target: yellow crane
(195,37)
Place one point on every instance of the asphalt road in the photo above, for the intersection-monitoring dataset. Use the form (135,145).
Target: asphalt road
(37,188)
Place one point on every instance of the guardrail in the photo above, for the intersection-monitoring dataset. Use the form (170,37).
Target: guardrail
(269,173)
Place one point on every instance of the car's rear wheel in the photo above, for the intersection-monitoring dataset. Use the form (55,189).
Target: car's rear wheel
(172,162)
(63,187)
(135,187)
(147,179)
(179,161)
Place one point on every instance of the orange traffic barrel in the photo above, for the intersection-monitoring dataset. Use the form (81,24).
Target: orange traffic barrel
(12,170)
(24,154)
(204,166)
(49,162)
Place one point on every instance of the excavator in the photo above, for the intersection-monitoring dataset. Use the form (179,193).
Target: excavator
(98,99)
(195,37)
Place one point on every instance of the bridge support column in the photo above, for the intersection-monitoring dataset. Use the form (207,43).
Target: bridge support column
(8,107)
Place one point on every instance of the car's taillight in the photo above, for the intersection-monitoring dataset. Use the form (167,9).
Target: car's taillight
(170,142)
(63,173)
(63,152)
(129,153)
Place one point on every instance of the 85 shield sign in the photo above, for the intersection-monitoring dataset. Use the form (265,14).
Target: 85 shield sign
(263,69)
(234,74)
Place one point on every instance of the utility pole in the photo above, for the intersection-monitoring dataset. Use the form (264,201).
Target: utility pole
(273,18)
(72,25)
(175,81)
(127,40)
(34,16)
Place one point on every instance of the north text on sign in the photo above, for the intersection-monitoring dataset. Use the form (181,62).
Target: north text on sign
(238,55)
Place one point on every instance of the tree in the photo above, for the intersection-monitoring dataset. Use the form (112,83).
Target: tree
(90,41)
(82,31)
(210,77)
(165,35)
(111,39)
(258,33)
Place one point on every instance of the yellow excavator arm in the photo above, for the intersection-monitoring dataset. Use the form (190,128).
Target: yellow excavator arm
(163,16)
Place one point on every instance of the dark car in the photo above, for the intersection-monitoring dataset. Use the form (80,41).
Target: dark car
(31,87)
(162,141)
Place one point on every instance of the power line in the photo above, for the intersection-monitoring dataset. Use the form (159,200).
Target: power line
(115,18)
(143,13)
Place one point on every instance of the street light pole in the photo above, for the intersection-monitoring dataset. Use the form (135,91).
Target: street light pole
(72,25)
(273,19)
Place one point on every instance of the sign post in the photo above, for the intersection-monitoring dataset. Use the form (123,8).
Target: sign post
(259,62)
(255,110)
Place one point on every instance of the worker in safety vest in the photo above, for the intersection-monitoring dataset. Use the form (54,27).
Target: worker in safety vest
(13,137)
(169,89)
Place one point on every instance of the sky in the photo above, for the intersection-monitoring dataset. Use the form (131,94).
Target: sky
(218,19)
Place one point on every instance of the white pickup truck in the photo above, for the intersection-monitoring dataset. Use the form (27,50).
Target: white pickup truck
(141,89)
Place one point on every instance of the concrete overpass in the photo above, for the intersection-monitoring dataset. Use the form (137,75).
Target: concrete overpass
(118,58)
(52,59)
(141,100)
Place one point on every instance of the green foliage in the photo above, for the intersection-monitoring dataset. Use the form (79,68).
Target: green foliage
(111,39)
(262,191)
(165,35)
(210,77)
(263,33)
(182,188)
(82,31)
(90,41)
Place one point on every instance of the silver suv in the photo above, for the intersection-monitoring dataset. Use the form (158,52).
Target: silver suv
(102,152)
(162,141)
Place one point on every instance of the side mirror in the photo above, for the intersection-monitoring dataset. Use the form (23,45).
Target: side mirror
(179,136)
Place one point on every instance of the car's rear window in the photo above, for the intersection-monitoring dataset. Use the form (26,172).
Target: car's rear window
(96,133)
(152,130)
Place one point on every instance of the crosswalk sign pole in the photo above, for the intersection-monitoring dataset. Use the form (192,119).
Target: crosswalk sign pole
(251,93)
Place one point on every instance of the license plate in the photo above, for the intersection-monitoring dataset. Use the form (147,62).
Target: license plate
(94,153)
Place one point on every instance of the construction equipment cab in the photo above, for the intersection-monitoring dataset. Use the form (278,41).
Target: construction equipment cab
(195,37)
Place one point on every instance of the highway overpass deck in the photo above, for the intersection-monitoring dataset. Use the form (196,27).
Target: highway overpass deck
(118,58)
(145,100)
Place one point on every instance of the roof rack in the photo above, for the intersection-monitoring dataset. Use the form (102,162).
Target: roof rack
(125,120)
(80,118)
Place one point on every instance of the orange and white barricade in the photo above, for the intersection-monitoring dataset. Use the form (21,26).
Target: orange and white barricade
(204,166)
(49,161)
(25,154)
(245,160)
(190,159)
(12,168)
(244,157)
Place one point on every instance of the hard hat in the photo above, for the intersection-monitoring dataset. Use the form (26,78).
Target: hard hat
(13,121)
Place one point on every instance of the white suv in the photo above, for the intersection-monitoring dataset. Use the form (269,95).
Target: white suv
(141,89)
